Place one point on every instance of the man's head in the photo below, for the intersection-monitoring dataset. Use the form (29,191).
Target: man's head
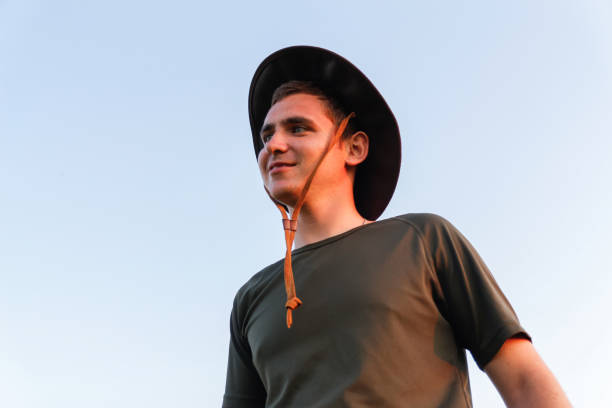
(297,131)
(347,87)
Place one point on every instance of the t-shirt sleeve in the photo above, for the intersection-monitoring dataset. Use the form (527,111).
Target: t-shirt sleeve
(243,387)
(469,298)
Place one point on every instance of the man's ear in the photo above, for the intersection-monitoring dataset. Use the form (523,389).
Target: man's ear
(356,147)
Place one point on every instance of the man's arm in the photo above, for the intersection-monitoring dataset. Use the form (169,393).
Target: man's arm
(522,378)
(243,387)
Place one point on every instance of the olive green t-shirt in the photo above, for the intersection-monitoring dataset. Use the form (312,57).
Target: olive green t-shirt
(389,309)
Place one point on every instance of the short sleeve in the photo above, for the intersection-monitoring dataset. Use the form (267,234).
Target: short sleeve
(470,300)
(243,387)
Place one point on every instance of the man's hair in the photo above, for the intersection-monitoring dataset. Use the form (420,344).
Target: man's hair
(334,110)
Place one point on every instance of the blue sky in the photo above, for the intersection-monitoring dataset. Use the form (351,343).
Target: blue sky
(126,171)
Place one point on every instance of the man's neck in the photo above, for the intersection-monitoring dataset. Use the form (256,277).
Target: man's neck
(321,220)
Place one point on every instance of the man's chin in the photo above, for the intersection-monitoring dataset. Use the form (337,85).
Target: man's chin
(288,198)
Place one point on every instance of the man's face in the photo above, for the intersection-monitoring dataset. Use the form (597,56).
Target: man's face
(295,133)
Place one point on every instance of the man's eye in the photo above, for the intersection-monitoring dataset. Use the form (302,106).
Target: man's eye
(265,138)
(298,129)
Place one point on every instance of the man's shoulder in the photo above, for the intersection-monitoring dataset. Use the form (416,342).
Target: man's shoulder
(259,279)
(423,221)
(430,227)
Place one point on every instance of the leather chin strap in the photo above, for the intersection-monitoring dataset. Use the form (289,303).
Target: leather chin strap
(290,224)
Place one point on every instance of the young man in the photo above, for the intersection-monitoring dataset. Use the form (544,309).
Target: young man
(385,309)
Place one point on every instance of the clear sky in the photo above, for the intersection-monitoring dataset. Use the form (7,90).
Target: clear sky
(131,209)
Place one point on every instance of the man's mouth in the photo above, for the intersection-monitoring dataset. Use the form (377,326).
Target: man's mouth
(279,166)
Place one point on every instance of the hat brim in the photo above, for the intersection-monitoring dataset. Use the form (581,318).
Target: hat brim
(377,176)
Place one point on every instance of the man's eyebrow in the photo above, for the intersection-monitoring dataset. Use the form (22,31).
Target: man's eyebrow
(298,120)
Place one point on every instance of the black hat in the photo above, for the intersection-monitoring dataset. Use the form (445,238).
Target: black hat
(377,176)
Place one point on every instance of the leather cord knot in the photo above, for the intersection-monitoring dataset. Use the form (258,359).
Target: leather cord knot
(291,305)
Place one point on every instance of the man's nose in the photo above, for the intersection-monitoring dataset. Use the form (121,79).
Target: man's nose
(277,142)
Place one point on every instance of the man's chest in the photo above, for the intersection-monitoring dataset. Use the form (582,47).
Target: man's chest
(355,301)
